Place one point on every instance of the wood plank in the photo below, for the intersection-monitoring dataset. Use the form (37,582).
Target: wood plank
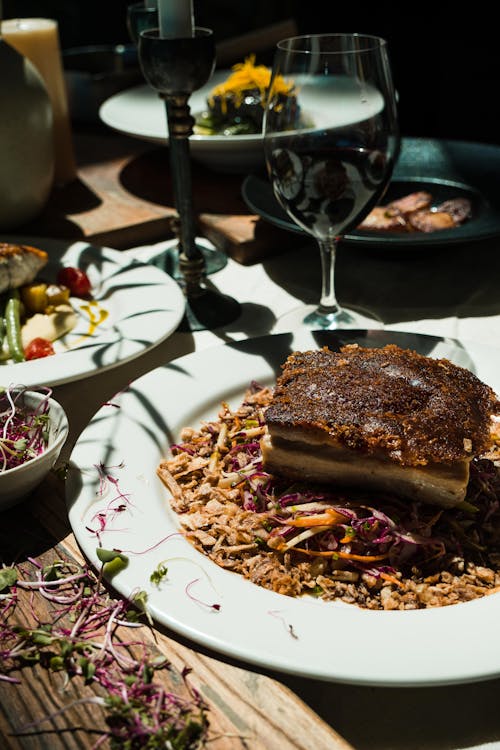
(247,710)
(123,198)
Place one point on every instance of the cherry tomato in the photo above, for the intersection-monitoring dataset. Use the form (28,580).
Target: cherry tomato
(38,348)
(76,280)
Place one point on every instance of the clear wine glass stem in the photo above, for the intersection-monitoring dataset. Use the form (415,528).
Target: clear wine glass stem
(328,314)
(328,253)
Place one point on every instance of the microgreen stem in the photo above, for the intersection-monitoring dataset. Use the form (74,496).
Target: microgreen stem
(23,430)
(140,712)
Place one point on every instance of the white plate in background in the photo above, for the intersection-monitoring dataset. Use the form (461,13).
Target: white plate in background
(139,305)
(139,112)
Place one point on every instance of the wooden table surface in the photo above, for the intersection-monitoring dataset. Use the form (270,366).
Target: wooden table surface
(117,202)
(247,709)
(123,198)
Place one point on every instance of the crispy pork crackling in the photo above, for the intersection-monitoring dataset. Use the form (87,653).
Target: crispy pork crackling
(385,419)
(19,264)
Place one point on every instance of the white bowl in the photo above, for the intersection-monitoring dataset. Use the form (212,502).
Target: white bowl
(18,482)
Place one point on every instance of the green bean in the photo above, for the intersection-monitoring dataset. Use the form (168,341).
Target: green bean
(13,327)
(3,301)
(2,323)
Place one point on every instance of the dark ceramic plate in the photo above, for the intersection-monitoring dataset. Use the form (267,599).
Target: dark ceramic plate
(447,169)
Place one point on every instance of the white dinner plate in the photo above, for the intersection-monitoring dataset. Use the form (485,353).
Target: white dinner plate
(139,112)
(307,637)
(135,306)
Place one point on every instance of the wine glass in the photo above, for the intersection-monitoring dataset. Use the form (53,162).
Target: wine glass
(331,139)
(141,16)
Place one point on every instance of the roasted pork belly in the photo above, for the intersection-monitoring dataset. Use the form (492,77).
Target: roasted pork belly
(388,420)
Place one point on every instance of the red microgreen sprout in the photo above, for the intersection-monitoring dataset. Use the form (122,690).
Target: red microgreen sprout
(23,429)
(80,640)
(215,607)
(287,626)
(117,505)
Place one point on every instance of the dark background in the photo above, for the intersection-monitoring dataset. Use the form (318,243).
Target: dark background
(445,57)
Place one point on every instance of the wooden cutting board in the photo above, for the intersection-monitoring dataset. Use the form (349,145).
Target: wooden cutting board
(123,198)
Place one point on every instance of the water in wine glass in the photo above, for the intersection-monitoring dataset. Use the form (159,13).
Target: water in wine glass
(331,140)
(141,16)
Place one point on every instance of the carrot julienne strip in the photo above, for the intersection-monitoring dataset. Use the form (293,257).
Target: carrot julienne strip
(391,579)
(329,518)
(341,555)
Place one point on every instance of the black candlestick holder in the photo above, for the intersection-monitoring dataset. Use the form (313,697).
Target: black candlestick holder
(175,67)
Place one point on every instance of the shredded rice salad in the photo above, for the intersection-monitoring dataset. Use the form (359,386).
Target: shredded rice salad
(377,552)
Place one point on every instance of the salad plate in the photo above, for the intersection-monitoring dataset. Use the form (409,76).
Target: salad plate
(446,169)
(133,307)
(115,500)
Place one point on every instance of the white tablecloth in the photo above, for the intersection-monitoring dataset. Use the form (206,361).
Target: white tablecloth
(452,291)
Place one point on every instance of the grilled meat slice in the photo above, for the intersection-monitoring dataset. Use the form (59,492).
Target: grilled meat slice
(378,220)
(430,221)
(460,209)
(384,419)
(394,216)
(409,203)
(415,213)
(19,264)
(447,215)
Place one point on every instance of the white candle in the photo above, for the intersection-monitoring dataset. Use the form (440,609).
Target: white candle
(38,40)
(176,18)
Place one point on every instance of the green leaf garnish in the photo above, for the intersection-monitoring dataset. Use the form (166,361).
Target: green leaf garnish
(8,577)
